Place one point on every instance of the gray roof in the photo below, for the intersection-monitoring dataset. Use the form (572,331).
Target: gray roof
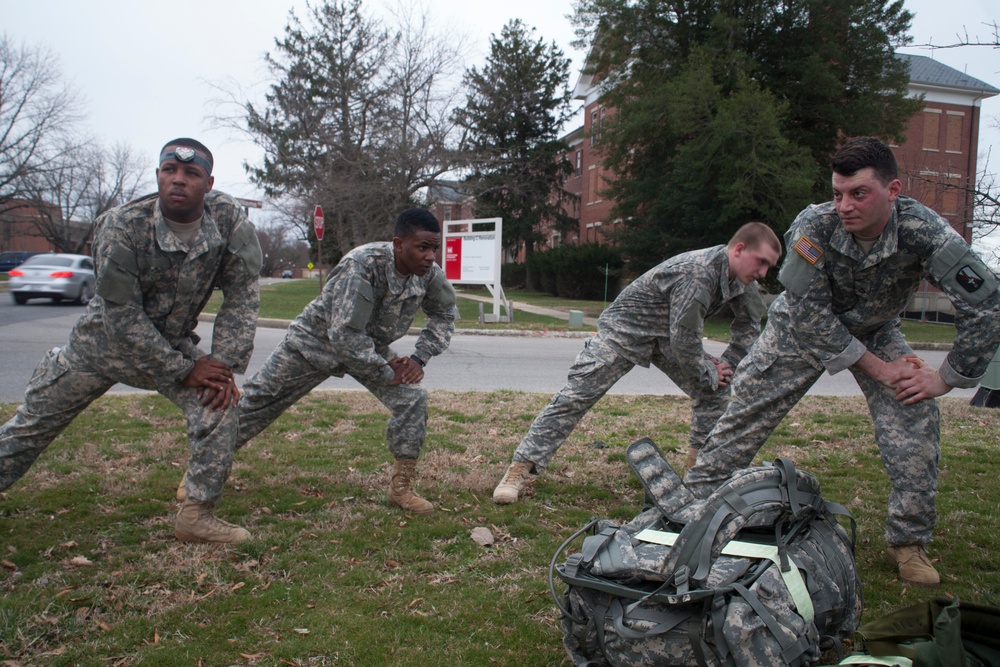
(447,191)
(930,72)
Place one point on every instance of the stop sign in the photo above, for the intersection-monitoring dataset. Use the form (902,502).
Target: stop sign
(318,222)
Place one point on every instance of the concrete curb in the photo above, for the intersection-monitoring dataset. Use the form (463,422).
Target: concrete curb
(270,323)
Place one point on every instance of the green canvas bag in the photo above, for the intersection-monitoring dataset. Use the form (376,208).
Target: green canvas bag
(941,632)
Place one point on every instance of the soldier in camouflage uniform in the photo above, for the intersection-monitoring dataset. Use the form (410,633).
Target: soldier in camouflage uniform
(158,259)
(659,319)
(852,266)
(368,302)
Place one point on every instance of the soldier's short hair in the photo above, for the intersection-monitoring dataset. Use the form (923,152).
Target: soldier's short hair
(414,220)
(862,152)
(755,234)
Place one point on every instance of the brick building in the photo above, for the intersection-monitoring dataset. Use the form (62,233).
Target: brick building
(448,201)
(938,158)
(940,148)
(19,226)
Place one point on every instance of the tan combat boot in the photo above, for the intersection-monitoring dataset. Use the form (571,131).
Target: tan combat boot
(914,566)
(404,472)
(196,523)
(182,492)
(514,480)
(692,457)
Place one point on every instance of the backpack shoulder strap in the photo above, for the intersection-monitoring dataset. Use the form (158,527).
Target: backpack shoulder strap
(763,496)
(664,489)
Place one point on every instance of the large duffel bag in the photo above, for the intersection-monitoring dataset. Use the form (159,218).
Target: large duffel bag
(757,574)
(941,632)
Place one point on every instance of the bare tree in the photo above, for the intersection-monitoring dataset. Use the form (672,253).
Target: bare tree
(986,212)
(281,247)
(963,39)
(69,195)
(37,110)
(356,118)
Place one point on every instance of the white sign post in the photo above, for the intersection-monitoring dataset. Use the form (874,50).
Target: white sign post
(472,256)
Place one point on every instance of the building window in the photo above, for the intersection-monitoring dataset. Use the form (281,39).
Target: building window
(953,195)
(932,129)
(953,132)
(579,162)
(556,239)
(592,185)
(593,127)
(941,191)
(447,213)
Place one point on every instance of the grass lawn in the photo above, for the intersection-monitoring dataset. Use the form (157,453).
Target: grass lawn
(90,573)
(286,299)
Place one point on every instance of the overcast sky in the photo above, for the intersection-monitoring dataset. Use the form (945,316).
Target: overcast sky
(149,72)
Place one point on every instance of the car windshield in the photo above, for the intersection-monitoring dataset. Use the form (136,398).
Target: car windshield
(48,260)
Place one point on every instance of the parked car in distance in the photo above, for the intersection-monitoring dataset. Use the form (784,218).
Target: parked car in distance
(13,258)
(287,273)
(55,276)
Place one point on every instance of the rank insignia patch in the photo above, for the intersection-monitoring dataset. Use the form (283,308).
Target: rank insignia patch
(808,250)
(969,279)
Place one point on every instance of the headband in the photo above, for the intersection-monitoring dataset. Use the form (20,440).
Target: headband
(186,154)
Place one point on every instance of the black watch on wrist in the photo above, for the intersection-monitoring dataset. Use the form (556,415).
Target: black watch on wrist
(418,360)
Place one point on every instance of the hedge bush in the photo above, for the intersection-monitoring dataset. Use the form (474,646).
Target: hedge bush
(577,272)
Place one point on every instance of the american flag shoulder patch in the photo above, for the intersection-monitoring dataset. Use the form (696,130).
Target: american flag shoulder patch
(809,251)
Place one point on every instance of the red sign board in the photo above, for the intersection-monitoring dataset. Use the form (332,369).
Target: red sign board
(453,258)
(318,222)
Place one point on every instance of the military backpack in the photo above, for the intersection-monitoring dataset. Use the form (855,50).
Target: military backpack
(757,574)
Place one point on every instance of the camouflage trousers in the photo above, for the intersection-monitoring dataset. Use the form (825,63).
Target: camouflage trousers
(287,376)
(64,384)
(776,373)
(596,369)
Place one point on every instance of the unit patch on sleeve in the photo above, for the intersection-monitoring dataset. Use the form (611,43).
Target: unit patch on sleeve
(969,279)
(809,251)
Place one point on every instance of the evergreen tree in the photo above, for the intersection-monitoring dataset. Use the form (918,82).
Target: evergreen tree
(516,107)
(730,109)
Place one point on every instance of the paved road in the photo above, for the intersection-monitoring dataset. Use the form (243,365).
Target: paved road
(474,362)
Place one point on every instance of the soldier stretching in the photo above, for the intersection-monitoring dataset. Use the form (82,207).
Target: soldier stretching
(368,302)
(659,319)
(158,260)
(851,268)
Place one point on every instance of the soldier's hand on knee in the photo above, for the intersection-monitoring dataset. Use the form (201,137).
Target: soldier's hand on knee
(208,373)
(725,371)
(224,399)
(924,382)
(406,371)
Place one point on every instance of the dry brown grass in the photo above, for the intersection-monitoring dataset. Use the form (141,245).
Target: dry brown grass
(369,582)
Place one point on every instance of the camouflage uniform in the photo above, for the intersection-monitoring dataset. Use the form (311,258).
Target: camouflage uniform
(839,303)
(364,307)
(139,330)
(657,319)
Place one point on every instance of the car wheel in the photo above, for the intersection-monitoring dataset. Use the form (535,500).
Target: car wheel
(86,294)
(20,299)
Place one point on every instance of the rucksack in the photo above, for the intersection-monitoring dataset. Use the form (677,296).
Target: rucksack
(757,574)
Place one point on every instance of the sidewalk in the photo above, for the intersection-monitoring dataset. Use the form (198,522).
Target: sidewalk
(528,308)
(592,321)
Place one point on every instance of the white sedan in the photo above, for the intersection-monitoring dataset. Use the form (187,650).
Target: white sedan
(53,276)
